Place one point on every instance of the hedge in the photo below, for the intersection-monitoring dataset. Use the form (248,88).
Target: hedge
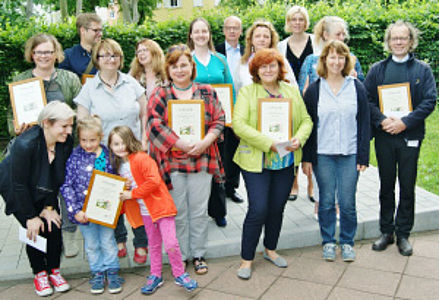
(367,22)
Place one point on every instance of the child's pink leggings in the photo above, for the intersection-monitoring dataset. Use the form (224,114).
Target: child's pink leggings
(163,230)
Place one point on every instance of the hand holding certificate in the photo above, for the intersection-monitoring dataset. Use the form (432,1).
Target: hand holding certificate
(395,99)
(102,204)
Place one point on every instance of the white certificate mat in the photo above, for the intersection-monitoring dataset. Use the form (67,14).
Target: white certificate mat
(275,118)
(102,204)
(28,99)
(225,96)
(395,99)
(40,243)
(186,119)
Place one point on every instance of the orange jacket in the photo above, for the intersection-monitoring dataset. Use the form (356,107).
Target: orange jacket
(151,188)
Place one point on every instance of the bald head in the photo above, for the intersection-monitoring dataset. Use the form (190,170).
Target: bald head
(232,30)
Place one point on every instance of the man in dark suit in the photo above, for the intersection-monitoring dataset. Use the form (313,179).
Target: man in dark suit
(232,50)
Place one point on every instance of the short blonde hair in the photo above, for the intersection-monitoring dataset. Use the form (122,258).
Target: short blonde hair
(85,20)
(54,111)
(39,39)
(413,31)
(341,49)
(108,45)
(92,123)
(296,9)
(157,60)
(249,35)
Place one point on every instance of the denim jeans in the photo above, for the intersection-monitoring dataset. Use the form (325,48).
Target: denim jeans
(267,195)
(100,246)
(337,174)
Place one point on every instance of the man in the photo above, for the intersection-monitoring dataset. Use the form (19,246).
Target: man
(398,140)
(78,58)
(232,50)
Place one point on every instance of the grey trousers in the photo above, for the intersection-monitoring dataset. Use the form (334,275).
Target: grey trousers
(191,193)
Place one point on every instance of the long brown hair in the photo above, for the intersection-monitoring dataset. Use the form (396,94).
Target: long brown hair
(249,49)
(132,144)
(157,60)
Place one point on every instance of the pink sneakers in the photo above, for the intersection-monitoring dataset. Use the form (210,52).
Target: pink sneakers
(42,283)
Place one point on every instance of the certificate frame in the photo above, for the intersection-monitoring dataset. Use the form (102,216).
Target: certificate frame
(227,104)
(27,110)
(390,109)
(179,122)
(272,111)
(94,206)
(86,77)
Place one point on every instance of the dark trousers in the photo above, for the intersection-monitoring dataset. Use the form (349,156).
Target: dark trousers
(267,195)
(40,261)
(120,233)
(394,157)
(217,200)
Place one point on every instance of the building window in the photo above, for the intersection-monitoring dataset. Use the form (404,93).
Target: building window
(198,3)
(172,3)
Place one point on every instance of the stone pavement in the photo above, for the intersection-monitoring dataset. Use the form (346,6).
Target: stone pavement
(384,274)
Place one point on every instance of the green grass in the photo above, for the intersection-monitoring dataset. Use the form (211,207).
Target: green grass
(428,166)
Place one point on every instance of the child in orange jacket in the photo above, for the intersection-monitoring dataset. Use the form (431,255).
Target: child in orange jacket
(149,201)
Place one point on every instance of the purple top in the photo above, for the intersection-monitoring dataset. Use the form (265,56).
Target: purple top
(79,168)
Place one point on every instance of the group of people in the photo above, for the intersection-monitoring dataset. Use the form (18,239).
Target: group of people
(123,128)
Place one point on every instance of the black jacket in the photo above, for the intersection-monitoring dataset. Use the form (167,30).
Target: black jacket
(311,99)
(423,93)
(221,48)
(28,182)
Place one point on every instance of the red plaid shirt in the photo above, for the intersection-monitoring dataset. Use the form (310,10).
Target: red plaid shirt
(162,138)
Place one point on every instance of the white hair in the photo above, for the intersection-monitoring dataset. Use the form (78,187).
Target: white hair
(55,110)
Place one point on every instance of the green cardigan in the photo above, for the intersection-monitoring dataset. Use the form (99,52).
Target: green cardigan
(248,155)
(68,81)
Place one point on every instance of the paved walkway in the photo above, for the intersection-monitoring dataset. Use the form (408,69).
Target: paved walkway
(307,277)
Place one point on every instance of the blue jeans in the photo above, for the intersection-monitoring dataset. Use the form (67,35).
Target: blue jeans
(100,246)
(337,174)
(267,195)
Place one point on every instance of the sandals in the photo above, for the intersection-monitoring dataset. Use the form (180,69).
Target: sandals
(200,265)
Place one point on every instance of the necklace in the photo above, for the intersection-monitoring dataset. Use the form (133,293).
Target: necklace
(108,84)
(182,89)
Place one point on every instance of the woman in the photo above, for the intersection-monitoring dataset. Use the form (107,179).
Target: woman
(30,178)
(327,29)
(44,51)
(296,48)
(267,176)
(118,99)
(260,35)
(188,172)
(212,68)
(338,147)
(147,65)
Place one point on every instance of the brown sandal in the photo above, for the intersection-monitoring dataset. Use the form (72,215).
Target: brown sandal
(200,265)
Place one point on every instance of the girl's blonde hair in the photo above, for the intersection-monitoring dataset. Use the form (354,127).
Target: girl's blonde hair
(132,144)
(157,60)
(92,123)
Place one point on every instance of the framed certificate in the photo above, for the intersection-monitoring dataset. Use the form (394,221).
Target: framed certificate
(86,77)
(225,96)
(186,119)
(102,204)
(395,99)
(28,99)
(274,118)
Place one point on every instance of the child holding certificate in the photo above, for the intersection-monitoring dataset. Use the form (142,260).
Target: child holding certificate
(149,202)
(100,244)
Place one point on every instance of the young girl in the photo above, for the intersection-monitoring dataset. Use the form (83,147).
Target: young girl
(100,244)
(157,209)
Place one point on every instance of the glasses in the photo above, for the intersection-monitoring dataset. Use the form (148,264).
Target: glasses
(141,51)
(178,47)
(399,38)
(232,28)
(43,53)
(95,30)
(109,56)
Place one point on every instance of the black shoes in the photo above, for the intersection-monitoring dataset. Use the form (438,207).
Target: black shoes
(220,222)
(382,243)
(236,197)
(404,246)
(292,197)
